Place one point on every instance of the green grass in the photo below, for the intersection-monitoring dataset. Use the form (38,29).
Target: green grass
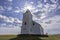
(6,37)
(50,37)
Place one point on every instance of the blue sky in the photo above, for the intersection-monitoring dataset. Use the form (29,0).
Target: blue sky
(45,12)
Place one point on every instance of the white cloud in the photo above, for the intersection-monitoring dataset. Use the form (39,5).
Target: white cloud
(32,2)
(9,8)
(45,0)
(53,6)
(1,8)
(40,5)
(17,10)
(28,5)
(49,7)
(3,25)
(59,7)
(5,30)
(17,20)
(52,25)
(10,19)
(34,18)
(53,19)
(52,28)
(10,0)
(45,9)
(54,1)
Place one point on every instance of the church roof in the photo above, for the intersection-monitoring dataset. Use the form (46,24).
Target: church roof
(28,11)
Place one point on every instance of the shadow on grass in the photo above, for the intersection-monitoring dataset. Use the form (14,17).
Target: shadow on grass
(28,37)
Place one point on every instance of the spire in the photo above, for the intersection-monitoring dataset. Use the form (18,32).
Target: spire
(28,11)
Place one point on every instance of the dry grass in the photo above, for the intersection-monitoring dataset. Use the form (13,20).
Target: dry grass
(50,37)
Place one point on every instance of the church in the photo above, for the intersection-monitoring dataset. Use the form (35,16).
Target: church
(29,26)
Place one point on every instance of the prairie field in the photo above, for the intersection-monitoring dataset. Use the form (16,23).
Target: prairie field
(14,37)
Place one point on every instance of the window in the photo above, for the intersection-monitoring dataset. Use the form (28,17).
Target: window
(33,23)
(25,23)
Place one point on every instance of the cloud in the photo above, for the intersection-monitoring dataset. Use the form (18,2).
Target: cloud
(10,19)
(28,5)
(18,10)
(3,25)
(48,22)
(53,28)
(1,8)
(34,18)
(10,0)
(51,25)
(5,30)
(45,0)
(43,10)
(17,20)
(32,2)
(59,7)
(54,1)
(54,19)
(9,8)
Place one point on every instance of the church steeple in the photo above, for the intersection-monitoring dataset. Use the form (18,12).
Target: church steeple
(27,17)
(27,22)
(28,11)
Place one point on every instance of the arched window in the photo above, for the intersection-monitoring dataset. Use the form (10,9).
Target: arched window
(25,23)
(33,23)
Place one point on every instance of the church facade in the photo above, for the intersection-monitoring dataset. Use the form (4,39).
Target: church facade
(29,26)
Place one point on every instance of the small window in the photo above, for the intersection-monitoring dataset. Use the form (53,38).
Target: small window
(33,23)
(25,23)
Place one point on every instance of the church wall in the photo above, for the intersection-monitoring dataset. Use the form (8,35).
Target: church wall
(37,29)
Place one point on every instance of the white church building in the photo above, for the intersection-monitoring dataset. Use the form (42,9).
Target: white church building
(29,26)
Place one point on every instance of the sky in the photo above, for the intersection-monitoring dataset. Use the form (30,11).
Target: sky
(45,12)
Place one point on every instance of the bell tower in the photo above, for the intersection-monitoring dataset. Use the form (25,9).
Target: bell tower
(27,22)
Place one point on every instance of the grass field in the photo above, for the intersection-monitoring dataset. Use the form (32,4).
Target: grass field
(6,37)
(50,37)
